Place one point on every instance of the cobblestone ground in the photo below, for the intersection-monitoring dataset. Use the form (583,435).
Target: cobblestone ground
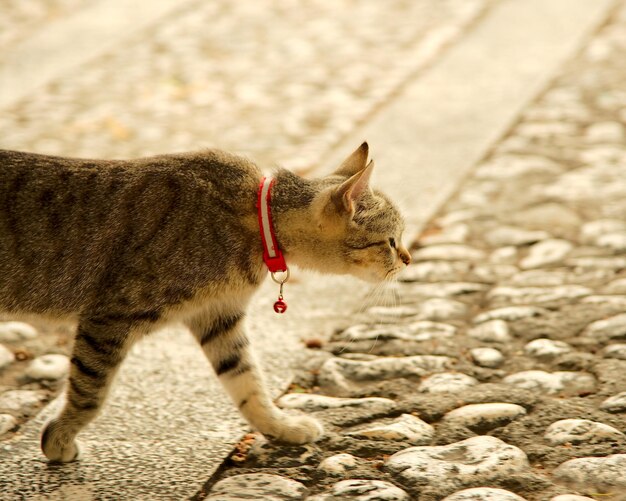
(500,373)
(215,75)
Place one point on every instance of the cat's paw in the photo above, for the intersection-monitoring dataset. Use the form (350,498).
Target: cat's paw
(296,430)
(57,448)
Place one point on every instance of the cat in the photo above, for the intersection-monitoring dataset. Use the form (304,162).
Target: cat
(123,247)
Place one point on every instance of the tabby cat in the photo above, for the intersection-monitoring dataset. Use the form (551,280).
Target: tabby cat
(123,247)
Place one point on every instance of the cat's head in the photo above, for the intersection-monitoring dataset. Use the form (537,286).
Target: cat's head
(353,229)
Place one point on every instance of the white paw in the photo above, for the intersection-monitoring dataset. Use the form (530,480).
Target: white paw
(56,447)
(296,430)
(63,454)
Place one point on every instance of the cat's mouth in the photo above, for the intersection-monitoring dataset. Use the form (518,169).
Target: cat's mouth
(393,273)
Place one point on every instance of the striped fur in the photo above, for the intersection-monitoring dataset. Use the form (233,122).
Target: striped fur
(126,246)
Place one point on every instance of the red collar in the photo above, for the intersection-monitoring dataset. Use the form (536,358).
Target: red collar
(272,255)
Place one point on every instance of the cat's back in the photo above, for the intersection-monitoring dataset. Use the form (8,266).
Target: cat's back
(45,180)
(211,165)
(87,222)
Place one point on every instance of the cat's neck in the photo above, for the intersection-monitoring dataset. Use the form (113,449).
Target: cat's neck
(292,215)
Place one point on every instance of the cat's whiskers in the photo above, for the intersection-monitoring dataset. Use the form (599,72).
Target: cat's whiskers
(392,300)
(393,280)
(387,297)
(380,301)
(371,299)
(375,298)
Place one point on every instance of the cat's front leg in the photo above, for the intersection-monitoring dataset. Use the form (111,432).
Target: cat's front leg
(226,345)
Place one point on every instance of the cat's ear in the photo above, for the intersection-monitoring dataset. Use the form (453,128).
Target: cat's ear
(355,163)
(350,190)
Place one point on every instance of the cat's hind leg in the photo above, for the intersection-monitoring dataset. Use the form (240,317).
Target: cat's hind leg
(99,348)
(226,345)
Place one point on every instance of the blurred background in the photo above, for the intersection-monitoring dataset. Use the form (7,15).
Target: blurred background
(282,81)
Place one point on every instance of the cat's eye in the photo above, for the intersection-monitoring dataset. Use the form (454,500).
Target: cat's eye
(392,242)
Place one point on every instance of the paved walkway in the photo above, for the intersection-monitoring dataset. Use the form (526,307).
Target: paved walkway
(493,245)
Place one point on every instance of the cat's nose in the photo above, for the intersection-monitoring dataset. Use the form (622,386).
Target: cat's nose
(404,255)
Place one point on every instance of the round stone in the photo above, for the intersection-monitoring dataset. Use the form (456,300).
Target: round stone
(482,459)
(531,295)
(506,235)
(571,497)
(338,464)
(392,311)
(543,277)
(487,357)
(577,431)
(425,330)
(449,252)
(6,357)
(605,132)
(451,382)
(586,182)
(452,234)
(434,290)
(7,422)
(491,331)
(546,252)
(406,428)
(339,373)
(438,309)
(616,403)
(510,313)
(456,217)
(551,215)
(546,129)
(603,474)
(493,272)
(415,331)
(504,255)
(544,348)
(602,262)
(434,271)
(609,328)
(590,232)
(16,331)
(310,402)
(482,418)
(615,351)
(363,490)
(19,400)
(612,301)
(511,166)
(602,154)
(613,241)
(617,286)
(484,494)
(571,383)
(51,366)
(257,486)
